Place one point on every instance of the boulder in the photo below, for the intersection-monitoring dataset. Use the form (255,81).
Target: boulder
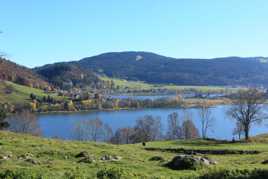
(189,162)
(82,154)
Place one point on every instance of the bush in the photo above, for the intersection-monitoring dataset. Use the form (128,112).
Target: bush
(20,174)
(237,174)
(112,173)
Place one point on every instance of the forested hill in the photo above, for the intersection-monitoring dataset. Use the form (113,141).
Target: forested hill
(65,75)
(13,72)
(153,68)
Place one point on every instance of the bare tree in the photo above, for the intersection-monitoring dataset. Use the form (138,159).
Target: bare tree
(123,136)
(93,129)
(89,130)
(174,128)
(247,109)
(24,122)
(147,128)
(206,118)
(238,130)
(107,133)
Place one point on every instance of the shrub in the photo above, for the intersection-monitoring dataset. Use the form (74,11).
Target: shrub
(112,173)
(236,174)
(19,174)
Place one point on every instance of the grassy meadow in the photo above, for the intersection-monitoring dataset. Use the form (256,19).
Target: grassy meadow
(138,85)
(19,93)
(56,158)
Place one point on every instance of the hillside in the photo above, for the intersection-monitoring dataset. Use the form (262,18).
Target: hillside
(153,68)
(13,93)
(13,72)
(66,75)
(24,156)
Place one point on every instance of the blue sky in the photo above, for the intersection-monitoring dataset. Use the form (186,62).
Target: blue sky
(40,32)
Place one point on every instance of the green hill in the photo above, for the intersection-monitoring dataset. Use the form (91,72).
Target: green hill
(14,93)
(24,156)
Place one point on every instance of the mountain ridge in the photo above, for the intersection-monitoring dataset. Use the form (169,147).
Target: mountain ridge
(153,68)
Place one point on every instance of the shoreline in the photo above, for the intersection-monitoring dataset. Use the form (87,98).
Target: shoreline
(189,104)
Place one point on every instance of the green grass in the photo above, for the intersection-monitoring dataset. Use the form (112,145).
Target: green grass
(139,85)
(57,159)
(19,93)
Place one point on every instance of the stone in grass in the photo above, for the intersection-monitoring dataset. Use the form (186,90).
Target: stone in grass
(157,158)
(3,157)
(32,161)
(82,154)
(188,162)
(110,158)
(264,162)
(26,156)
(88,159)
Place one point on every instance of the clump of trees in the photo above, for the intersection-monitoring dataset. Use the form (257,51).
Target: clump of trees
(149,128)
(247,109)
(93,130)
(123,136)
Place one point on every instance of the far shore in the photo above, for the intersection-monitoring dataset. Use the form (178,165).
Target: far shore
(190,103)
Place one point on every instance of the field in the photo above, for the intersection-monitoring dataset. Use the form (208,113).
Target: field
(51,158)
(18,93)
(138,85)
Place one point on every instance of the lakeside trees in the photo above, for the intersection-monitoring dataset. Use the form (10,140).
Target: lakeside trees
(247,109)
(206,118)
(92,129)
(174,127)
(147,128)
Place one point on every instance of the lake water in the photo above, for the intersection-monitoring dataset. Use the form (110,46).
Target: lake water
(61,125)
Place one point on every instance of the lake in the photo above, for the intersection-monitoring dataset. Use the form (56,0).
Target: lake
(61,125)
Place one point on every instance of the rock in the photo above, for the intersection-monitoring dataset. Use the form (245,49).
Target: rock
(156,158)
(264,162)
(82,154)
(87,159)
(3,157)
(6,156)
(117,158)
(26,156)
(110,158)
(189,162)
(106,157)
(32,161)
